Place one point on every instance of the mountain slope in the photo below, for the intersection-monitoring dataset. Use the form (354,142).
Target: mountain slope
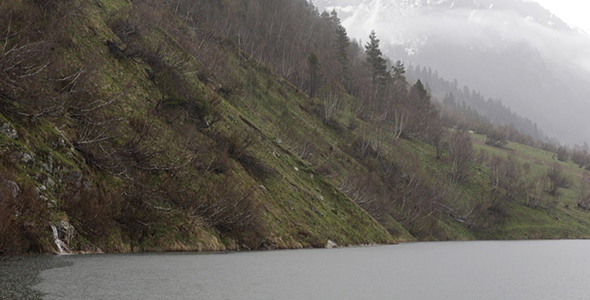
(133,146)
(155,126)
(513,50)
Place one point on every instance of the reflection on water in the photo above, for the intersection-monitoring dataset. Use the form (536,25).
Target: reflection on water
(19,274)
(441,270)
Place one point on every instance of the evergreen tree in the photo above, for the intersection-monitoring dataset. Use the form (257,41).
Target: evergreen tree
(341,44)
(420,96)
(314,65)
(334,17)
(421,90)
(449,100)
(375,60)
(398,72)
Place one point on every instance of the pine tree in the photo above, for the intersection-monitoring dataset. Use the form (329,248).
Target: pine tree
(449,101)
(398,71)
(375,60)
(341,44)
(421,90)
(314,65)
(420,96)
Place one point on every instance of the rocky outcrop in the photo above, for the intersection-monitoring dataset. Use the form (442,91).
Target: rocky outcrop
(8,131)
(10,187)
(331,244)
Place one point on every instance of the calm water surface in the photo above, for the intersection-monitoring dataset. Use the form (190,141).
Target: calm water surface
(442,270)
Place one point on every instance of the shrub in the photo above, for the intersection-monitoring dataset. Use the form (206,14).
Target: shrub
(362,147)
(497,138)
(584,199)
(536,192)
(581,157)
(256,167)
(508,178)
(557,179)
(461,150)
(562,154)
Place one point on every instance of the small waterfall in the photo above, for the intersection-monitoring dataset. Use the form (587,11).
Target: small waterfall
(61,246)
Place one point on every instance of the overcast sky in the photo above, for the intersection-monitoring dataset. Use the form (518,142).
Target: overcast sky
(573,12)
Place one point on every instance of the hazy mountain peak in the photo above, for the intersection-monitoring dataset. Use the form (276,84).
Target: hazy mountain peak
(515,50)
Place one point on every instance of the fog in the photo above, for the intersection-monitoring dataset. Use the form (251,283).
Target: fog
(489,33)
(555,40)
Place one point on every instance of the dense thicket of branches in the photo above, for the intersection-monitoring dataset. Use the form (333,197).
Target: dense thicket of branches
(164,176)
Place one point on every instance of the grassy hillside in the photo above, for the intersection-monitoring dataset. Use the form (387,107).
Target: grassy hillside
(127,127)
(142,152)
(556,216)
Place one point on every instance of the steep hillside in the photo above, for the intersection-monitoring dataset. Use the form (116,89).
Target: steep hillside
(139,148)
(157,126)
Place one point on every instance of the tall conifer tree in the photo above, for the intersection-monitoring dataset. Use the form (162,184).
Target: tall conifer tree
(375,60)
(398,71)
(341,44)
(314,65)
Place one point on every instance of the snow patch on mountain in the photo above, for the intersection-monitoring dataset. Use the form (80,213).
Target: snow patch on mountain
(501,40)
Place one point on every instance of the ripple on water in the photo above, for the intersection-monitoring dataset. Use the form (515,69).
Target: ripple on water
(19,274)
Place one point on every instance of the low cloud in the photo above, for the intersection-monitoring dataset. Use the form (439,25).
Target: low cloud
(550,87)
(459,25)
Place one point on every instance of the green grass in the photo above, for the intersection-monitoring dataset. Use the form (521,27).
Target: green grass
(561,220)
(297,161)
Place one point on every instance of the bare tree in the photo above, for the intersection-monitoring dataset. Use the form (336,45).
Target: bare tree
(557,179)
(536,192)
(461,150)
(331,107)
(584,199)
(399,124)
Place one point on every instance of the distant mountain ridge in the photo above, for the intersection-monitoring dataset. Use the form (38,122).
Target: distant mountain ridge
(360,8)
(513,50)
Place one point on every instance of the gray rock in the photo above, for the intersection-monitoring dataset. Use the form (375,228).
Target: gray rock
(49,165)
(66,231)
(331,244)
(16,156)
(22,157)
(50,183)
(9,131)
(26,158)
(12,188)
(59,143)
(51,203)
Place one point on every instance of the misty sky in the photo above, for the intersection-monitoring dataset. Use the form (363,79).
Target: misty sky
(564,51)
(558,46)
(573,12)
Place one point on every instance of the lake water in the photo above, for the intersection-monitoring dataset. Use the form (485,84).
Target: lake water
(440,270)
